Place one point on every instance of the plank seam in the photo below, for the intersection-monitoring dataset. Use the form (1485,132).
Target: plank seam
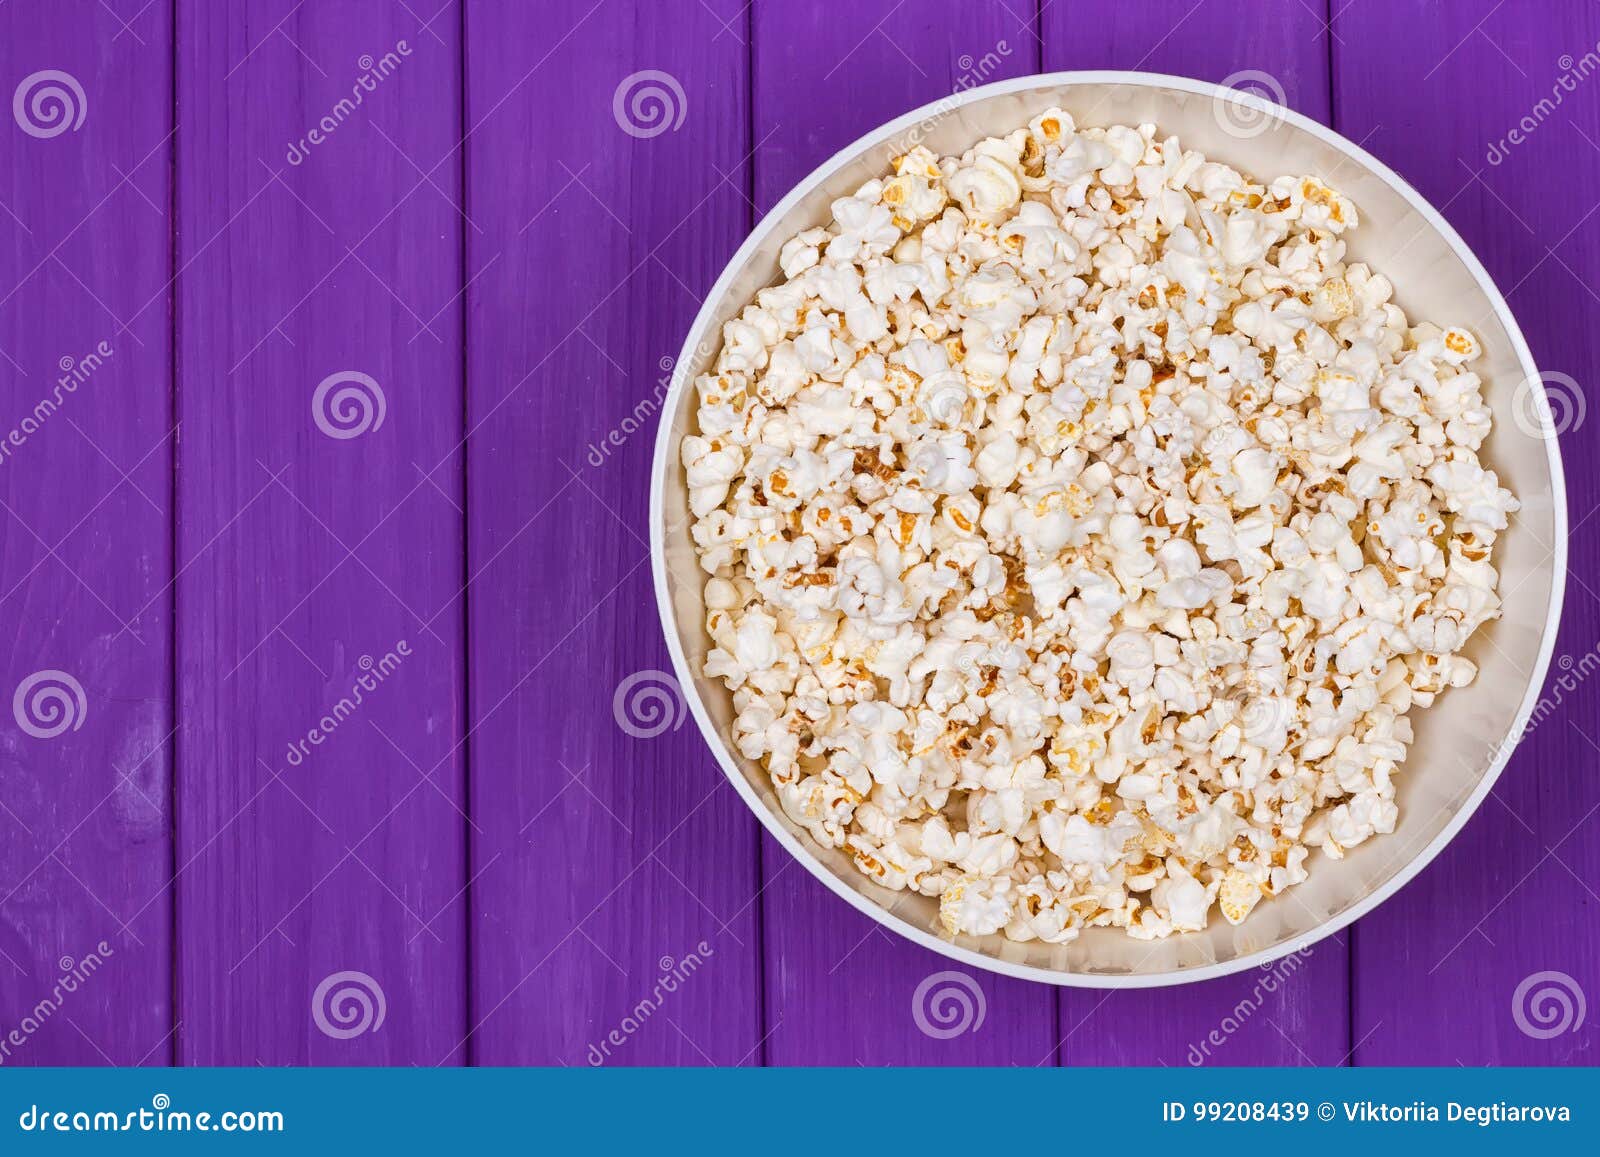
(173,492)
(464,267)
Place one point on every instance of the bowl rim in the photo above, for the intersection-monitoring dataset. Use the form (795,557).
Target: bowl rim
(665,446)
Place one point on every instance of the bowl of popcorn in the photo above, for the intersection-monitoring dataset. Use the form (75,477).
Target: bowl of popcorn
(1109,528)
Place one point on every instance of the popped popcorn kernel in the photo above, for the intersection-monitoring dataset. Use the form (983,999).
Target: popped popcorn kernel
(1080,528)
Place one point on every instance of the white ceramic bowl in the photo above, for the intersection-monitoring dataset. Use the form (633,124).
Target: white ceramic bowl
(1462,741)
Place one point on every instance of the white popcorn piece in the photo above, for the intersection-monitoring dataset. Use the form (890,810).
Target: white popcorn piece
(1079,528)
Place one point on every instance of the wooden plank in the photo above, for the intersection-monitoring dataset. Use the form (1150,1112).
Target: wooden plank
(1513,899)
(320,646)
(839,990)
(1298,1015)
(609,858)
(85,559)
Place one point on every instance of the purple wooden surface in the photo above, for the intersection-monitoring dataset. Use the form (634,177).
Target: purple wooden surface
(1289,1015)
(485,238)
(85,559)
(607,859)
(306,559)
(1439,966)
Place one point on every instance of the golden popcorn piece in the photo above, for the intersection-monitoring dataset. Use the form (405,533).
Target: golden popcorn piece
(889,625)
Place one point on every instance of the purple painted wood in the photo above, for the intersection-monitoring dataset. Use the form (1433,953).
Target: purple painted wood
(510,260)
(85,564)
(1447,967)
(839,989)
(613,852)
(1293,1014)
(321,827)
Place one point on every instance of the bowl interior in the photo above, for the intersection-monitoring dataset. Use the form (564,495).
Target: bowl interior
(1460,741)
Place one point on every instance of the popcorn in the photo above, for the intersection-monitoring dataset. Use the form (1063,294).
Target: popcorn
(990,186)
(1079,528)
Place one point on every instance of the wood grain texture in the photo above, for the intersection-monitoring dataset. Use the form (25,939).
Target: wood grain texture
(840,989)
(308,560)
(517,834)
(1289,1016)
(613,852)
(85,559)
(1440,965)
